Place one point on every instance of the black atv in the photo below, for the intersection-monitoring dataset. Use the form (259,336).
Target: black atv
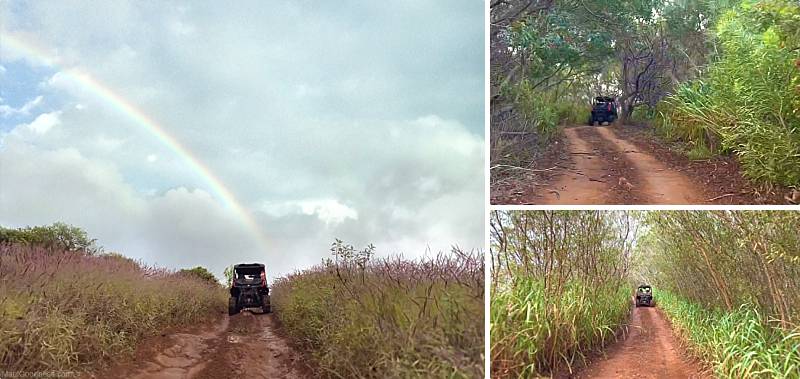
(249,288)
(644,296)
(603,110)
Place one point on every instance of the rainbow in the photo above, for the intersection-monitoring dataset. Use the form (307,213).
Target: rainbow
(140,118)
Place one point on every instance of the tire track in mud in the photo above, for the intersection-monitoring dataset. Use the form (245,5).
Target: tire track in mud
(594,173)
(583,182)
(253,349)
(608,170)
(648,351)
(245,345)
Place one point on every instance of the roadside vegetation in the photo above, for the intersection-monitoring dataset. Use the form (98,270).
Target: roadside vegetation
(66,305)
(732,282)
(559,288)
(358,316)
(716,76)
(747,100)
(728,281)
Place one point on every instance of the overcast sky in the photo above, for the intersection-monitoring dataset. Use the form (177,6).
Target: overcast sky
(356,120)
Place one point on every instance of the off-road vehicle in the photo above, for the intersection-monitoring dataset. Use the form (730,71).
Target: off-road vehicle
(249,288)
(603,110)
(644,296)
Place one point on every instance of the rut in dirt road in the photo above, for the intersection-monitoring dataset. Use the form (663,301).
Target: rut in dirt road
(245,345)
(608,170)
(648,351)
(252,349)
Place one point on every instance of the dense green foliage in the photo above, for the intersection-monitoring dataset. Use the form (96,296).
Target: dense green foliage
(58,235)
(748,100)
(726,259)
(361,317)
(558,289)
(68,310)
(544,112)
(738,343)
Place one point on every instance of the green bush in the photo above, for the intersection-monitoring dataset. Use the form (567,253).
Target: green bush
(738,344)
(569,113)
(389,318)
(642,114)
(537,113)
(542,112)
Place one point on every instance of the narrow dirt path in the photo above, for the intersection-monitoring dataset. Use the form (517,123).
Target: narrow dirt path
(606,169)
(648,351)
(245,345)
(252,349)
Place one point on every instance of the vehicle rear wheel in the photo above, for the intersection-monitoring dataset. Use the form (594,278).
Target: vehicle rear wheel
(233,307)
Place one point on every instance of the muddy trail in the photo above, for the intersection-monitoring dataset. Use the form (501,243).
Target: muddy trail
(245,345)
(607,169)
(649,350)
(625,164)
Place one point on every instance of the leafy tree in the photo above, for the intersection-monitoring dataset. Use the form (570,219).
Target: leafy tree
(58,235)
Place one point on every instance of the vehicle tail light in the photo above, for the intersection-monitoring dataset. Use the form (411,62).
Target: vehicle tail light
(263,278)
(609,107)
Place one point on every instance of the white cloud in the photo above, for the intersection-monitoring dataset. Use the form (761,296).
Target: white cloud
(25,109)
(44,122)
(318,133)
(329,211)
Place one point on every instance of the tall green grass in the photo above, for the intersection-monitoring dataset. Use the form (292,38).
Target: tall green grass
(389,318)
(738,344)
(534,333)
(63,309)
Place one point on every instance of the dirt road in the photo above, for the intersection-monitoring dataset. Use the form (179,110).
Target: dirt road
(606,169)
(245,345)
(649,351)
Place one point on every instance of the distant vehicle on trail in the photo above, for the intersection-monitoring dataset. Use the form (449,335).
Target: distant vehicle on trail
(249,288)
(603,110)
(644,296)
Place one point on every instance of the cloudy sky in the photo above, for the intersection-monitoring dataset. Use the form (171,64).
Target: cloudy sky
(357,120)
